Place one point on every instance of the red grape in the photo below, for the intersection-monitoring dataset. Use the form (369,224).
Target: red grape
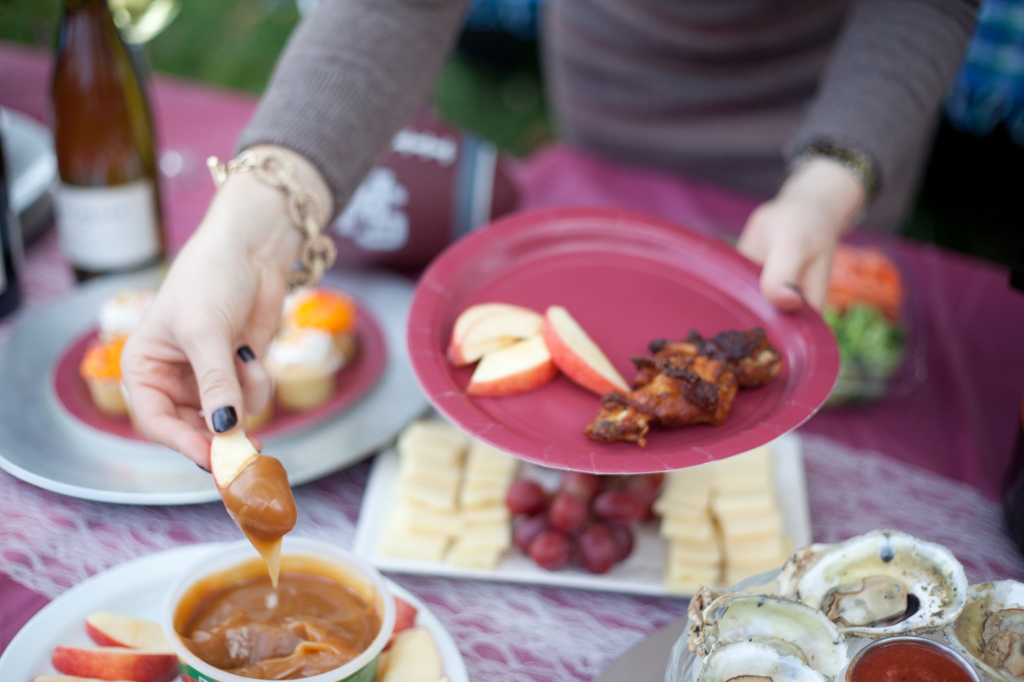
(551,549)
(567,512)
(598,551)
(645,488)
(527,528)
(584,486)
(526,497)
(623,541)
(618,506)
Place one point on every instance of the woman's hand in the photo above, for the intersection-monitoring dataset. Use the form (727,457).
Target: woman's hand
(795,234)
(192,366)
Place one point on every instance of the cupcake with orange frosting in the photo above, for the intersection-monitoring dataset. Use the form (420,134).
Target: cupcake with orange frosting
(304,362)
(333,311)
(101,369)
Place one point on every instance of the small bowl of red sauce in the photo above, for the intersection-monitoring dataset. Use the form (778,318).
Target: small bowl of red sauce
(909,659)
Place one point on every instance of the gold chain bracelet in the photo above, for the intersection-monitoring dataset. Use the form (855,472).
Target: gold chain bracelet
(304,209)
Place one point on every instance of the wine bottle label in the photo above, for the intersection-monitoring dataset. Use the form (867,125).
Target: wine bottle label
(108,228)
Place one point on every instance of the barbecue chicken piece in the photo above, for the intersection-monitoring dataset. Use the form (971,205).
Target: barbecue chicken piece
(693,381)
(680,391)
(748,353)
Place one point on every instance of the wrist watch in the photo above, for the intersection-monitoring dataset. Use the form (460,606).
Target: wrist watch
(857,162)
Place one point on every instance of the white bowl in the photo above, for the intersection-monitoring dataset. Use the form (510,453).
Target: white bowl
(360,669)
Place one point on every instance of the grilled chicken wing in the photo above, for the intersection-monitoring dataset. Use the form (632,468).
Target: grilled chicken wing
(693,391)
(693,381)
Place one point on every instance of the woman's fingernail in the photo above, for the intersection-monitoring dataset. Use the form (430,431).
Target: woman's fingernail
(224,419)
(797,290)
(202,467)
(246,354)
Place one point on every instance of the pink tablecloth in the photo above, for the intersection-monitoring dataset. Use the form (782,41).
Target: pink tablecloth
(945,444)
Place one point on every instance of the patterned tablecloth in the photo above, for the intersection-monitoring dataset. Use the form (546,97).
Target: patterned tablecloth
(506,632)
(947,443)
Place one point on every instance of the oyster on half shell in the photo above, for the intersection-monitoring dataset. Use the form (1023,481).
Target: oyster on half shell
(990,629)
(754,662)
(879,584)
(789,627)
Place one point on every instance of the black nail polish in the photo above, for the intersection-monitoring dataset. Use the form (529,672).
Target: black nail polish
(202,467)
(224,419)
(246,354)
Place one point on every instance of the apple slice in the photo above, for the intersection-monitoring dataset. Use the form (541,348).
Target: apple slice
(489,332)
(229,454)
(471,315)
(112,629)
(405,618)
(577,355)
(519,368)
(115,663)
(414,658)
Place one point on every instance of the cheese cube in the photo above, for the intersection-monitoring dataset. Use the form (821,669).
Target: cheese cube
(743,505)
(482,497)
(434,441)
(748,530)
(434,521)
(680,555)
(484,459)
(673,499)
(430,496)
(491,536)
(471,557)
(768,549)
(691,574)
(494,513)
(428,474)
(692,530)
(399,541)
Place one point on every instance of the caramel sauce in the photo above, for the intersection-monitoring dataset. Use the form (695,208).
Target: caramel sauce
(261,503)
(317,619)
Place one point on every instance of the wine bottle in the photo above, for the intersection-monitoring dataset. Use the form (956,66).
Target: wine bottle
(10,244)
(107,204)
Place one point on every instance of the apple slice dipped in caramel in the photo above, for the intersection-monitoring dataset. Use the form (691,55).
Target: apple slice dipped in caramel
(576,354)
(521,367)
(257,495)
(487,327)
(113,629)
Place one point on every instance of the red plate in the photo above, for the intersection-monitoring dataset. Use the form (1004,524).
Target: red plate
(627,278)
(353,382)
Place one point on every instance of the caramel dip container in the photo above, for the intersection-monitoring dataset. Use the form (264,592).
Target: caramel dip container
(238,561)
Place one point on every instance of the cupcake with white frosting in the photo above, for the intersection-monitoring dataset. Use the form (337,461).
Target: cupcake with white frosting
(304,363)
(121,313)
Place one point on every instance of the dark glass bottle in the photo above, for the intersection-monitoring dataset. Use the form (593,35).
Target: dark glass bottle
(10,244)
(108,209)
(1013,488)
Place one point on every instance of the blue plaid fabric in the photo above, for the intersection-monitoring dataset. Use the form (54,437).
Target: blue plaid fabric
(989,87)
(518,17)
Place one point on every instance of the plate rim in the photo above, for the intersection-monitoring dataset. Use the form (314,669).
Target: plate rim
(807,398)
(185,555)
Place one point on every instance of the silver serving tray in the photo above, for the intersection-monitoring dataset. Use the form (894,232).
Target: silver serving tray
(42,444)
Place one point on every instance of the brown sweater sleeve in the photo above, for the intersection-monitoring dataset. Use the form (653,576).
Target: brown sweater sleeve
(352,73)
(885,81)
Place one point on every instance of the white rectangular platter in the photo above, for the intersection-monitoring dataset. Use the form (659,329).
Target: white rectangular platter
(641,573)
